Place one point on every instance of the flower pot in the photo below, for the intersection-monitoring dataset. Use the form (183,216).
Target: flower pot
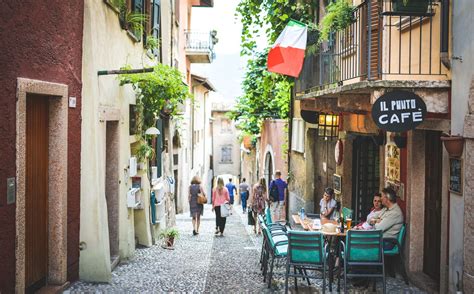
(247,140)
(454,145)
(170,241)
(413,6)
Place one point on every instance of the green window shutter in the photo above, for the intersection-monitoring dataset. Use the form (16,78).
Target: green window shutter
(156,23)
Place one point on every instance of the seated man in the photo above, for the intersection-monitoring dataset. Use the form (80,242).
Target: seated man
(389,219)
(377,207)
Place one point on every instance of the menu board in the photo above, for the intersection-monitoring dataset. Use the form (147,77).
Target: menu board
(455,175)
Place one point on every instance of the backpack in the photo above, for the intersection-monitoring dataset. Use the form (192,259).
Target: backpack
(274,195)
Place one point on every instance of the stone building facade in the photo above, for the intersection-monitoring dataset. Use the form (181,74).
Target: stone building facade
(340,145)
(40,107)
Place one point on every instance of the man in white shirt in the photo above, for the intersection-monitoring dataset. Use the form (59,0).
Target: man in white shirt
(390,218)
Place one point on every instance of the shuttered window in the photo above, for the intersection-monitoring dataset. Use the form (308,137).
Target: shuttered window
(297,138)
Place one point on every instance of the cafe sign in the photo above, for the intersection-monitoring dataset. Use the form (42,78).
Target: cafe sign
(398,111)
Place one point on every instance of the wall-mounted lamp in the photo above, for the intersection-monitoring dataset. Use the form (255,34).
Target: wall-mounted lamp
(152,131)
(328,125)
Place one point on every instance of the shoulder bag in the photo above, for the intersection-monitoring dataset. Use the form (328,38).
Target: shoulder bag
(201,198)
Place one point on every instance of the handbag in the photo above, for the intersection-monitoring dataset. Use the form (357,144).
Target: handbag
(201,198)
(250,218)
(225,210)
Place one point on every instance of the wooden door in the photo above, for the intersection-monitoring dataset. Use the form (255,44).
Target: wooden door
(36,243)
(366,175)
(324,167)
(433,189)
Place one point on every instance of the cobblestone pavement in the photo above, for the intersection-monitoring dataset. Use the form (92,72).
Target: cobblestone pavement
(205,263)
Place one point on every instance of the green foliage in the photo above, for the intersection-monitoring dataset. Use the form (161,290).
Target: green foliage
(339,15)
(144,152)
(266,95)
(170,233)
(152,43)
(272,15)
(160,91)
(136,21)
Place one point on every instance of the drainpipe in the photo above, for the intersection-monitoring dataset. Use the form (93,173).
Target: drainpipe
(445,34)
(290,134)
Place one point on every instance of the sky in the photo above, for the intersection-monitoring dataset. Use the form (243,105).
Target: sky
(227,69)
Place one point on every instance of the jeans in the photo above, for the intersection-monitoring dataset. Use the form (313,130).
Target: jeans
(243,197)
(231,199)
(220,221)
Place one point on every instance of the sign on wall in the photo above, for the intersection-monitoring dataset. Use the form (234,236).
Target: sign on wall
(337,183)
(398,111)
(455,175)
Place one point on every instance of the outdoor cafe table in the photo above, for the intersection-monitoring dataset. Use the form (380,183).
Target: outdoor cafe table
(308,225)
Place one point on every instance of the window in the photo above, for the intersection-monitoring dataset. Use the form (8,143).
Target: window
(226,153)
(297,137)
(226,127)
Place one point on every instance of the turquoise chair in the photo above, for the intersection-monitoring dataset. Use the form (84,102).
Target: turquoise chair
(274,225)
(397,250)
(363,256)
(276,248)
(275,230)
(306,251)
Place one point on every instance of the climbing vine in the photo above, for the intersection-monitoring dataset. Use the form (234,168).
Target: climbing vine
(266,95)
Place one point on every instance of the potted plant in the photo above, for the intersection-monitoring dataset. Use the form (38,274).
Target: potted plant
(413,6)
(169,235)
(339,15)
(453,144)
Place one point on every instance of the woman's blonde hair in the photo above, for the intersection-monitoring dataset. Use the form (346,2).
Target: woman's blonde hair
(196,180)
(220,183)
(263,183)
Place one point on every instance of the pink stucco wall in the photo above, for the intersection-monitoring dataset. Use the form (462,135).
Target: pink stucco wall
(274,137)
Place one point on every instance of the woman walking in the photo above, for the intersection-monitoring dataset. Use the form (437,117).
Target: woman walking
(196,209)
(257,201)
(220,196)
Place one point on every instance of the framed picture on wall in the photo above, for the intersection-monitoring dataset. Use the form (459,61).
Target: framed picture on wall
(455,175)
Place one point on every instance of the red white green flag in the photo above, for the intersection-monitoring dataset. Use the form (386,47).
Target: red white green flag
(287,54)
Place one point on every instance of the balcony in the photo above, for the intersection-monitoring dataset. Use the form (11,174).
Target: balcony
(203,3)
(381,47)
(200,46)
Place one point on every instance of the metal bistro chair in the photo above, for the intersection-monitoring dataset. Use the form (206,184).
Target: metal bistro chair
(363,256)
(270,223)
(277,247)
(398,250)
(275,230)
(306,251)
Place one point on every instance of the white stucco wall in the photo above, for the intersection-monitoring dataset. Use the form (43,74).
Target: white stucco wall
(105,46)
(463,73)
(225,138)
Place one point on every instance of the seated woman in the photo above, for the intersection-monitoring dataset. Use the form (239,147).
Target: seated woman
(377,207)
(328,204)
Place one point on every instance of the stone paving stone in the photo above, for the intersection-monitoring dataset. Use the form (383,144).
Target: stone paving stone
(206,263)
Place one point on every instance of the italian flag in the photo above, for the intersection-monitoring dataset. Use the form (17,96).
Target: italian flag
(287,54)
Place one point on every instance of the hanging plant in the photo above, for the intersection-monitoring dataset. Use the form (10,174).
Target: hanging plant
(162,88)
(339,15)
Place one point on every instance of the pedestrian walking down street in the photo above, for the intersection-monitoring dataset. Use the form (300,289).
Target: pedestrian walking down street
(196,209)
(231,187)
(220,196)
(257,201)
(278,200)
(244,194)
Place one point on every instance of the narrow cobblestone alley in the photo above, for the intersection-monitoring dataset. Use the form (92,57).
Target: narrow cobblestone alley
(203,263)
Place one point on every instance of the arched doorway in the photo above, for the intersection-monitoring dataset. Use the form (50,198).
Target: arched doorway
(268,167)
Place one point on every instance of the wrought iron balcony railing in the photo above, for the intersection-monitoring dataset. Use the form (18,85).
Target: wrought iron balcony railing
(379,44)
(200,46)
